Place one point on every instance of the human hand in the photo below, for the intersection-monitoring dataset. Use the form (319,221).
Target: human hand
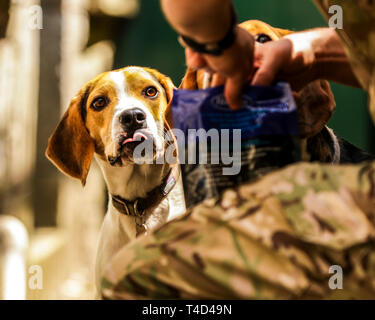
(233,67)
(290,59)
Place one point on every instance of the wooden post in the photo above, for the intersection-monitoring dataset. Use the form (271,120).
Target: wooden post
(19,66)
(45,182)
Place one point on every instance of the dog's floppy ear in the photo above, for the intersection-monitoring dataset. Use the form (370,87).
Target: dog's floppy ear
(316,104)
(282,32)
(70,147)
(189,81)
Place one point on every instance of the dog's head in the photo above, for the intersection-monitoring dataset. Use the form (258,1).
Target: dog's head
(315,101)
(111,115)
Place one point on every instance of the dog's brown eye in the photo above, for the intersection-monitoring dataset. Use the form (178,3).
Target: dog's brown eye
(99,103)
(151,92)
(262,38)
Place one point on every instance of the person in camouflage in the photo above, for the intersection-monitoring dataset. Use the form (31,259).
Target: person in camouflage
(276,238)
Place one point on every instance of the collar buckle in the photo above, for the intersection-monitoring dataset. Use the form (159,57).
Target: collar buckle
(137,211)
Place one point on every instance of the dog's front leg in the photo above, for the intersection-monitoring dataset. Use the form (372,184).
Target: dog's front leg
(117,230)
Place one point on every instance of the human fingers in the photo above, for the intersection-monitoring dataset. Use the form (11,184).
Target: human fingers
(270,59)
(217,80)
(233,92)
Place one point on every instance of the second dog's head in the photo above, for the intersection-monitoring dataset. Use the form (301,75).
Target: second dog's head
(111,115)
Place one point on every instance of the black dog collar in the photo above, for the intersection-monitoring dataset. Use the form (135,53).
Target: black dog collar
(138,207)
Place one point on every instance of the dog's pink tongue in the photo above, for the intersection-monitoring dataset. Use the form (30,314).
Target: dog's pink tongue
(137,137)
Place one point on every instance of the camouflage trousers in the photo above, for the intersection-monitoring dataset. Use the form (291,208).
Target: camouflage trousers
(273,239)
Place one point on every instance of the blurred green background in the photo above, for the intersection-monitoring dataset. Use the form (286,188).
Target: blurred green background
(150,41)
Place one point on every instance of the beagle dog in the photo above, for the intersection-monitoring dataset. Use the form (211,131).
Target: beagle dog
(315,103)
(111,116)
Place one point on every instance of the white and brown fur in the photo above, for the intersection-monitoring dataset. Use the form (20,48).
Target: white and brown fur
(86,132)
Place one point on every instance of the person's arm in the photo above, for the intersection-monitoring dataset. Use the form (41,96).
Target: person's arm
(331,60)
(304,57)
(208,21)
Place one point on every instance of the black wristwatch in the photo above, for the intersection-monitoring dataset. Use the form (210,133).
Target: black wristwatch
(213,48)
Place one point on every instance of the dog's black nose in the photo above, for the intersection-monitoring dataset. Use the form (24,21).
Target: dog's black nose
(133,119)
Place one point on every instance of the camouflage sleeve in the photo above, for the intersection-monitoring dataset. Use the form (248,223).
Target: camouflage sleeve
(273,239)
(358,35)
